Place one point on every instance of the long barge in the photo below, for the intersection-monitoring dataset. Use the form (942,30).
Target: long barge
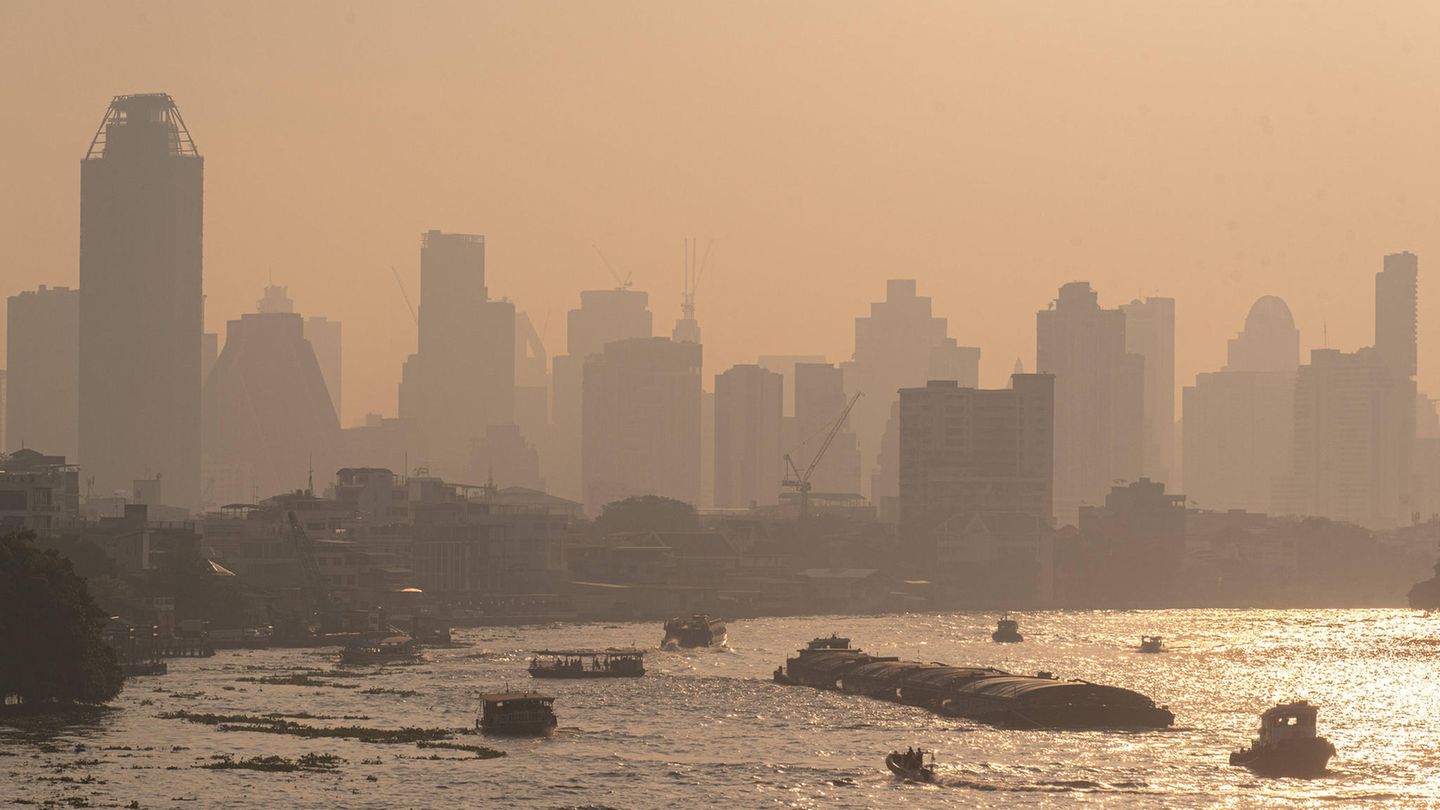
(983,694)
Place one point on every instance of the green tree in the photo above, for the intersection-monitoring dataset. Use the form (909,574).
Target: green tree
(646,513)
(50,630)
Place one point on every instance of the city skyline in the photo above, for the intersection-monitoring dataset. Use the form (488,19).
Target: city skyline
(1238,189)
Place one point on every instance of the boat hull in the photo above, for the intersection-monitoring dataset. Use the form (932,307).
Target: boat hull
(584,673)
(1299,758)
(1006,638)
(921,774)
(691,635)
(535,729)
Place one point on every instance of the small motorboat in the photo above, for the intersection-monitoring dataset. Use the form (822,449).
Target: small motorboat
(912,765)
(1151,644)
(1007,631)
(1287,744)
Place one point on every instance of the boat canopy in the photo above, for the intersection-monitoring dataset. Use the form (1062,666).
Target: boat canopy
(614,652)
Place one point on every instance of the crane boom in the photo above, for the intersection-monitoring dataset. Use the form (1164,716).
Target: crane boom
(799,481)
(830,437)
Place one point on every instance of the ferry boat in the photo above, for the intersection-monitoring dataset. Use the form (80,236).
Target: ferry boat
(516,713)
(612,663)
(912,765)
(1007,631)
(694,631)
(389,650)
(1287,744)
(1151,644)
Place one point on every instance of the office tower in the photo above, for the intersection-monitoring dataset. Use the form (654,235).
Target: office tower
(1238,429)
(141,226)
(819,400)
(268,417)
(640,429)
(1396,312)
(209,351)
(42,403)
(1352,443)
(532,384)
(749,408)
(1099,397)
(504,457)
(1150,333)
(900,344)
(462,377)
(604,316)
(784,365)
(324,337)
(976,485)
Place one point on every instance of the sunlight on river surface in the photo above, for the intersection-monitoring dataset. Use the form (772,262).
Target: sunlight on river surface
(707,727)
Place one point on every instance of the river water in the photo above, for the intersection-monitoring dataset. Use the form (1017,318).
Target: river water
(707,727)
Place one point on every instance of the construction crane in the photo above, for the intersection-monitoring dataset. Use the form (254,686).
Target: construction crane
(621,284)
(413,315)
(800,482)
(316,609)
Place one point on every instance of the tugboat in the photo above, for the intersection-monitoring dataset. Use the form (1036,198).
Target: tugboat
(694,631)
(1287,744)
(834,642)
(611,663)
(516,713)
(1151,644)
(912,765)
(389,650)
(1007,631)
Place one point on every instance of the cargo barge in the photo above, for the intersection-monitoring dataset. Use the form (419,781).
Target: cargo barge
(983,694)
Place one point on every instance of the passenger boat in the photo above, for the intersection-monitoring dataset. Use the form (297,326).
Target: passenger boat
(516,713)
(1287,744)
(694,631)
(389,650)
(1007,631)
(1151,644)
(612,663)
(912,765)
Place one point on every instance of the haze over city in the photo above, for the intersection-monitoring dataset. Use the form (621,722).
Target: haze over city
(640,404)
(991,152)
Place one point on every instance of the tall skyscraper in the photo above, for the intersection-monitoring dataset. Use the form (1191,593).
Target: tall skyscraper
(749,408)
(1099,397)
(268,417)
(641,423)
(976,485)
(323,334)
(1238,430)
(819,400)
(1397,312)
(43,346)
(462,377)
(1150,333)
(900,344)
(604,316)
(141,305)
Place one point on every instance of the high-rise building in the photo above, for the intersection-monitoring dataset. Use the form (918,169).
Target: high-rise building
(604,316)
(504,457)
(324,337)
(900,344)
(1396,312)
(640,429)
(532,385)
(141,305)
(749,408)
(1099,397)
(1238,429)
(819,400)
(976,484)
(268,417)
(1352,442)
(462,377)
(42,402)
(1150,333)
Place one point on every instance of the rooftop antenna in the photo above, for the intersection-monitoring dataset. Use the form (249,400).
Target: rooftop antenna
(621,284)
(310,480)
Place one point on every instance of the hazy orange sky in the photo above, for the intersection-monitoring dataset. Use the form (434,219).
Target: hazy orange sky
(1209,151)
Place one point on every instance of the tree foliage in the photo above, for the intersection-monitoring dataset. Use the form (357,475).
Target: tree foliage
(646,513)
(51,633)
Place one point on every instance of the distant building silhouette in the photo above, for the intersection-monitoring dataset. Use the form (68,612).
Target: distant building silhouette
(1131,549)
(323,334)
(42,400)
(749,403)
(976,486)
(1396,312)
(462,377)
(1238,430)
(532,386)
(604,316)
(1150,333)
(504,457)
(819,400)
(1099,397)
(268,417)
(209,351)
(784,365)
(141,235)
(641,423)
(900,344)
